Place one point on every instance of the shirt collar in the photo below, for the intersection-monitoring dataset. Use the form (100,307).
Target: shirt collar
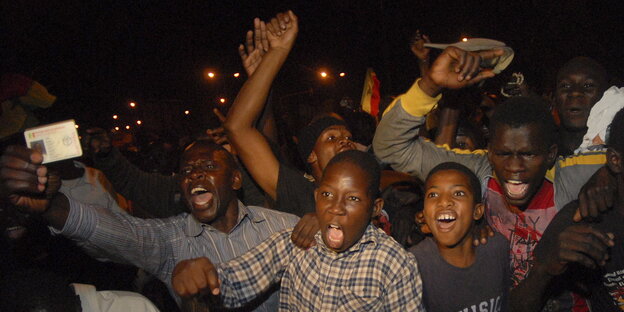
(370,236)
(195,228)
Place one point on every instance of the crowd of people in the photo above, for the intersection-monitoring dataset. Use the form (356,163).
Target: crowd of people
(467,193)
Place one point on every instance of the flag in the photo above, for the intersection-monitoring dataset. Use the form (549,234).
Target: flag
(370,93)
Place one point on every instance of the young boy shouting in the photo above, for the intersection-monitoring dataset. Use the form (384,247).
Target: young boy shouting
(353,266)
(449,259)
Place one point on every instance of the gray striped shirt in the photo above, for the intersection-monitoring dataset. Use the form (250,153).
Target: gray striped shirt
(157,245)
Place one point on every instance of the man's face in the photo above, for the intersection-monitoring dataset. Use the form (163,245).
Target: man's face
(333,140)
(520,160)
(576,94)
(449,209)
(344,206)
(208,182)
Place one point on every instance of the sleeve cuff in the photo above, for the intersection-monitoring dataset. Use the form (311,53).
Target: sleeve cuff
(416,102)
(81,221)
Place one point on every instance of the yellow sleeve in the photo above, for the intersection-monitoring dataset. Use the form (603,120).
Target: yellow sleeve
(415,102)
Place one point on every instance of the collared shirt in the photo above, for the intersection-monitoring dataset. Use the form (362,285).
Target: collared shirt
(375,274)
(157,245)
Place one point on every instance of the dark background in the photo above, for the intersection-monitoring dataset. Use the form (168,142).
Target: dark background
(97,56)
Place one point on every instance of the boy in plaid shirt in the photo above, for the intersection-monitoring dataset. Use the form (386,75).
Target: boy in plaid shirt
(353,266)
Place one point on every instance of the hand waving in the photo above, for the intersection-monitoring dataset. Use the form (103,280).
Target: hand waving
(418,46)
(282,31)
(456,68)
(256,45)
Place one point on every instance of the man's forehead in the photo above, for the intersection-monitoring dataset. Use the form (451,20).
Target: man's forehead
(200,152)
(510,136)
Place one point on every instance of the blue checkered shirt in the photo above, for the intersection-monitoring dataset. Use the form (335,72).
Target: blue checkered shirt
(375,274)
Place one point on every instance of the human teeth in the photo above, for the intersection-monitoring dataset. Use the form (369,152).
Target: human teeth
(196,190)
(514,181)
(333,226)
(446,217)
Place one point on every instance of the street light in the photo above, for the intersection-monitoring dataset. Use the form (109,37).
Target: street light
(139,122)
(186,112)
(127,127)
(132,104)
(464,39)
(236,75)
(211,75)
(76,126)
(222,100)
(116,128)
(323,74)
(342,74)
(115,116)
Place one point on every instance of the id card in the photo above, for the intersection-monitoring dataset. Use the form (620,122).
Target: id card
(57,141)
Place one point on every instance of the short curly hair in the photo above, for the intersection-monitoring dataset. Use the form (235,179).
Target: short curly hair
(524,111)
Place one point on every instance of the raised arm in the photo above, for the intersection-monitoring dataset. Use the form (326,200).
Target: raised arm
(24,181)
(154,192)
(253,149)
(421,52)
(396,139)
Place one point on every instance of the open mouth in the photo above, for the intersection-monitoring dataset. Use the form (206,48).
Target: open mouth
(200,196)
(334,236)
(15,232)
(445,220)
(516,189)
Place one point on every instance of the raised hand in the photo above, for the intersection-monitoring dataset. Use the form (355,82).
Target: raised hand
(218,134)
(191,277)
(418,46)
(282,31)
(24,179)
(456,68)
(256,45)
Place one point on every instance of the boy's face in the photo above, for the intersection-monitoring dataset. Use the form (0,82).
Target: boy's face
(520,160)
(208,182)
(577,92)
(450,209)
(333,140)
(344,206)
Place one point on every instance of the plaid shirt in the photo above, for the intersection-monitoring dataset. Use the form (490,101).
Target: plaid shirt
(375,274)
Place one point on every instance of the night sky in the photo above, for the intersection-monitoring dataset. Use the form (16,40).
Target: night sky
(97,56)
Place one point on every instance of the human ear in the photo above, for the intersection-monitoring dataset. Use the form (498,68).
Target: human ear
(312,158)
(478,211)
(377,206)
(237,180)
(552,154)
(614,161)
(420,221)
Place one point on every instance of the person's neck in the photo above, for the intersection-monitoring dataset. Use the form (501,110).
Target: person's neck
(571,139)
(461,255)
(227,222)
